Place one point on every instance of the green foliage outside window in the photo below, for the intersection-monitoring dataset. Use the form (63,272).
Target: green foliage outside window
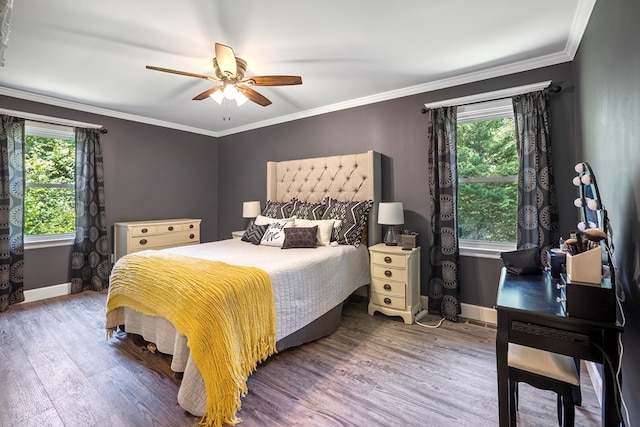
(487,206)
(49,201)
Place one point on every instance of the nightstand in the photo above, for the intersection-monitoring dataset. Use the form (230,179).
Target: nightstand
(237,234)
(395,281)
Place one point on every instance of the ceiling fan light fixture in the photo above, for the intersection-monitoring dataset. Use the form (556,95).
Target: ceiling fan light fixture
(230,92)
(241,99)
(217,96)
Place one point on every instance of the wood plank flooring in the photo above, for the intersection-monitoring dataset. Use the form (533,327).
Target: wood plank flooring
(58,369)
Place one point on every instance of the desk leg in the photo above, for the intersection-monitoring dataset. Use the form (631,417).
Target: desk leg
(502,367)
(610,407)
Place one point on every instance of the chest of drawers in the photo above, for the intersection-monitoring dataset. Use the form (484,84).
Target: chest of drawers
(395,281)
(136,236)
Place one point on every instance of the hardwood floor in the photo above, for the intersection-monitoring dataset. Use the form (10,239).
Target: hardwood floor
(58,369)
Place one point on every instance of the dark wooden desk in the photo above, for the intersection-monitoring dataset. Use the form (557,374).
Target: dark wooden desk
(529,314)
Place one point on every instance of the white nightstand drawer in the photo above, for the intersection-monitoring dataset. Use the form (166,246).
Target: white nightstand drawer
(392,260)
(388,287)
(383,272)
(389,301)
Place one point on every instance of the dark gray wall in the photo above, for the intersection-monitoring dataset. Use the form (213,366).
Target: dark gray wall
(150,173)
(607,72)
(395,128)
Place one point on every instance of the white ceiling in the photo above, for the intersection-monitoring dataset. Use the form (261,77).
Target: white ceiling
(91,55)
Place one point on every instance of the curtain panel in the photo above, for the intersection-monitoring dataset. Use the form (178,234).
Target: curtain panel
(11,212)
(444,290)
(90,264)
(537,200)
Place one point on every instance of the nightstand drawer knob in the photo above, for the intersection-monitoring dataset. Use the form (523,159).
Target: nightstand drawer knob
(143,241)
(387,287)
(388,273)
(191,236)
(387,301)
(145,230)
(170,228)
(387,259)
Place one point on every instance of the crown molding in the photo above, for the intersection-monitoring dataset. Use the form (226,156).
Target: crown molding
(72,105)
(578,26)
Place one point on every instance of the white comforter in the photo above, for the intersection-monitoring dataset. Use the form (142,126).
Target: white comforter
(307,283)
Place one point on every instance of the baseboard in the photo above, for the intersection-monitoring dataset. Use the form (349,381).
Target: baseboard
(47,292)
(470,311)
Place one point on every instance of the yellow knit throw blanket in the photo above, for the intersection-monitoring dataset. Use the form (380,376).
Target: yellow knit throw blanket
(226,312)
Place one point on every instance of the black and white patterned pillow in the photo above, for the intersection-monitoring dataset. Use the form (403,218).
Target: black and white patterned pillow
(306,210)
(254,233)
(354,217)
(275,209)
(274,236)
(300,237)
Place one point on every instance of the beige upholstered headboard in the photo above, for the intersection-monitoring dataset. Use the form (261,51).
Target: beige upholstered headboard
(352,177)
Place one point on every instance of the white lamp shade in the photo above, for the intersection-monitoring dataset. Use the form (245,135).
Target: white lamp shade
(251,209)
(391,213)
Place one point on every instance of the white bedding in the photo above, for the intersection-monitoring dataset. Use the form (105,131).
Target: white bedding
(307,283)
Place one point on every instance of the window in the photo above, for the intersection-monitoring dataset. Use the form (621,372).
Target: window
(487,178)
(49,168)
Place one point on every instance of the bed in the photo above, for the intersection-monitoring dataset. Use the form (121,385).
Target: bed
(309,285)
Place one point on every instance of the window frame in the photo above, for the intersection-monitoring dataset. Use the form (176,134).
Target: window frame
(485,110)
(51,131)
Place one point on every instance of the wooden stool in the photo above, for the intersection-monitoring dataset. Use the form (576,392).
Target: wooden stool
(546,371)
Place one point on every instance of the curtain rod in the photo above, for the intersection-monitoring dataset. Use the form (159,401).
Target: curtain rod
(492,96)
(51,120)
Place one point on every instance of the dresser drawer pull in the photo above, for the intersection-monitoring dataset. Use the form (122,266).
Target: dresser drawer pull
(171,228)
(388,273)
(145,230)
(387,287)
(191,236)
(190,225)
(387,300)
(388,259)
(143,241)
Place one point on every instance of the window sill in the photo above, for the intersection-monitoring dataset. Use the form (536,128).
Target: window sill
(48,241)
(483,249)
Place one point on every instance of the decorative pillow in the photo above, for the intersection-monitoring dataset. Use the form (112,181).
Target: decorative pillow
(265,220)
(300,237)
(275,209)
(274,236)
(325,228)
(354,217)
(254,233)
(307,210)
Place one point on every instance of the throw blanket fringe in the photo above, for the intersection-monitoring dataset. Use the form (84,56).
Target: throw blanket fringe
(226,312)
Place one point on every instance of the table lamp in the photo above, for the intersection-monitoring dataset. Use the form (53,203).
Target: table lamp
(251,210)
(391,214)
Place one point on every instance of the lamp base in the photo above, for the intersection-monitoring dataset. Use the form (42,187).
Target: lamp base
(391,239)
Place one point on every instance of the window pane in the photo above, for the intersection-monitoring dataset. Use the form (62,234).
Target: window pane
(488,211)
(49,211)
(49,160)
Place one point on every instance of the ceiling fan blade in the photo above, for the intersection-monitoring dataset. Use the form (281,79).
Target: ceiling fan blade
(182,73)
(226,60)
(206,93)
(273,80)
(253,95)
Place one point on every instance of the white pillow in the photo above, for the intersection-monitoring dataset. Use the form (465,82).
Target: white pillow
(325,228)
(265,220)
(274,236)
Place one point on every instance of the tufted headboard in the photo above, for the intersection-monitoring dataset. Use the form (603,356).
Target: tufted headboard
(352,177)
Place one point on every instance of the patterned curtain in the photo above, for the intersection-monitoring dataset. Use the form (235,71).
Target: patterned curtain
(537,202)
(90,259)
(11,212)
(444,292)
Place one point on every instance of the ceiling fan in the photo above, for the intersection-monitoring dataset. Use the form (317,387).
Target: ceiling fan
(229,72)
